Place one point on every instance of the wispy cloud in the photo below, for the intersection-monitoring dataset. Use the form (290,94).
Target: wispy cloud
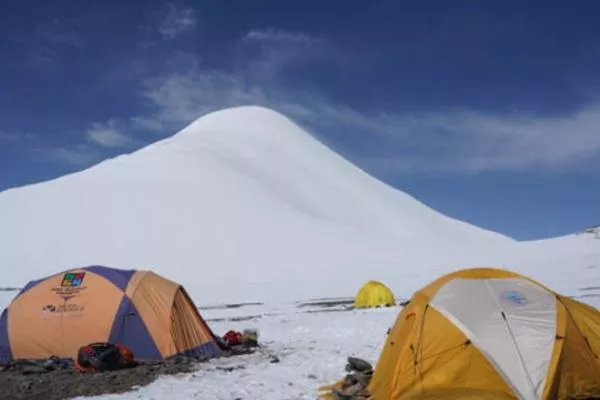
(275,51)
(58,32)
(100,140)
(178,20)
(50,39)
(36,147)
(13,137)
(108,135)
(183,93)
(8,137)
(465,141)
(182,97)
(470,141)
(79,155)
(141,122)
(279,36)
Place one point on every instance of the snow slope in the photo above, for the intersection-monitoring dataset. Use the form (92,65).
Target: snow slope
(244,205)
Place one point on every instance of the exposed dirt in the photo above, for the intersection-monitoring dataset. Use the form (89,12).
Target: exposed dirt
(30,382)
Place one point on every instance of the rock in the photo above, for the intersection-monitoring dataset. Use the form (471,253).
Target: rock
(357,364)
(31,369)
(230,369)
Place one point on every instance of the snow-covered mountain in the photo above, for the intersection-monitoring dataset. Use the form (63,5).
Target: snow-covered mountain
(244,205)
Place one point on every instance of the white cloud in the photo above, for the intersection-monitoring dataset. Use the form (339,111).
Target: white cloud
(8,137)
(279,36)
(466,141)
(470,141)
(12,137)
(182,97)
(275,50)
(141,122)
(78,155)
(457,141)
(57,32)
(48,40)
(177,21)
(108,135)
(187,90)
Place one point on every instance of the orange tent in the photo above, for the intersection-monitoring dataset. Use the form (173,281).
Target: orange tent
(151,315)
(488,333)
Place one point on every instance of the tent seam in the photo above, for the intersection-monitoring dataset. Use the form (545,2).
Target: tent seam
(473,339)
(512,336)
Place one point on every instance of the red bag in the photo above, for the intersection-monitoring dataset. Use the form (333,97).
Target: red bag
(97,357)
(233,338)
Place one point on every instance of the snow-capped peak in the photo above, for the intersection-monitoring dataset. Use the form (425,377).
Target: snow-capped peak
(244,205)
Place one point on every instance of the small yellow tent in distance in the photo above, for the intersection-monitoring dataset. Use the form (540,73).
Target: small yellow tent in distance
(374,294)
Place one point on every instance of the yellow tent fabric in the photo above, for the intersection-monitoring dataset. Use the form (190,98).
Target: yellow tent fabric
(374,294)
(487,333)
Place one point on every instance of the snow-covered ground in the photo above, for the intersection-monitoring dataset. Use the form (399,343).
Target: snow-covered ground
(311,347)
(310,343)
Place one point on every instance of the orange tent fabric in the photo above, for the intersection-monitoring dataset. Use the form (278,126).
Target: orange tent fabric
(146,312)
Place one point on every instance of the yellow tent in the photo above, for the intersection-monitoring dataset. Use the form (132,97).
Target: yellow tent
(374,294)
(486,333)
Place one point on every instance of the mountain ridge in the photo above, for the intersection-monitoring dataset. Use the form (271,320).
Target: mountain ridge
(245,196)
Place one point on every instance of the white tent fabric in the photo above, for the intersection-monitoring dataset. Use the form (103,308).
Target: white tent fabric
(511,321)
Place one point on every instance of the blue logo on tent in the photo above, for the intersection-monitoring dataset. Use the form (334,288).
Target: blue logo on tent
(512,296)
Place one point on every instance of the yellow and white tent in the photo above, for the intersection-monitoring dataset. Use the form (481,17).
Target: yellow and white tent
(490,334)
(374,294)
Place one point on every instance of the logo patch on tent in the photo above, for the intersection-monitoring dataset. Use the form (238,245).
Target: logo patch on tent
(72,279)
(49,308)
(71,285)
(63,308)
(514,297)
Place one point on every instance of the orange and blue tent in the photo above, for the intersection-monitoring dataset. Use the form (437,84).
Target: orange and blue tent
(56,315)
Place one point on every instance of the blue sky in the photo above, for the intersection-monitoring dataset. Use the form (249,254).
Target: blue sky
(486,111)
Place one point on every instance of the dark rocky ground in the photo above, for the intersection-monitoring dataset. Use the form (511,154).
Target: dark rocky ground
(39,383)
(55,380)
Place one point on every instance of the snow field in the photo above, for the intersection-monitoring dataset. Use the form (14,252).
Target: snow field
(312,349)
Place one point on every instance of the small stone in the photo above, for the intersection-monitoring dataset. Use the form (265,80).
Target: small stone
(358,364)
